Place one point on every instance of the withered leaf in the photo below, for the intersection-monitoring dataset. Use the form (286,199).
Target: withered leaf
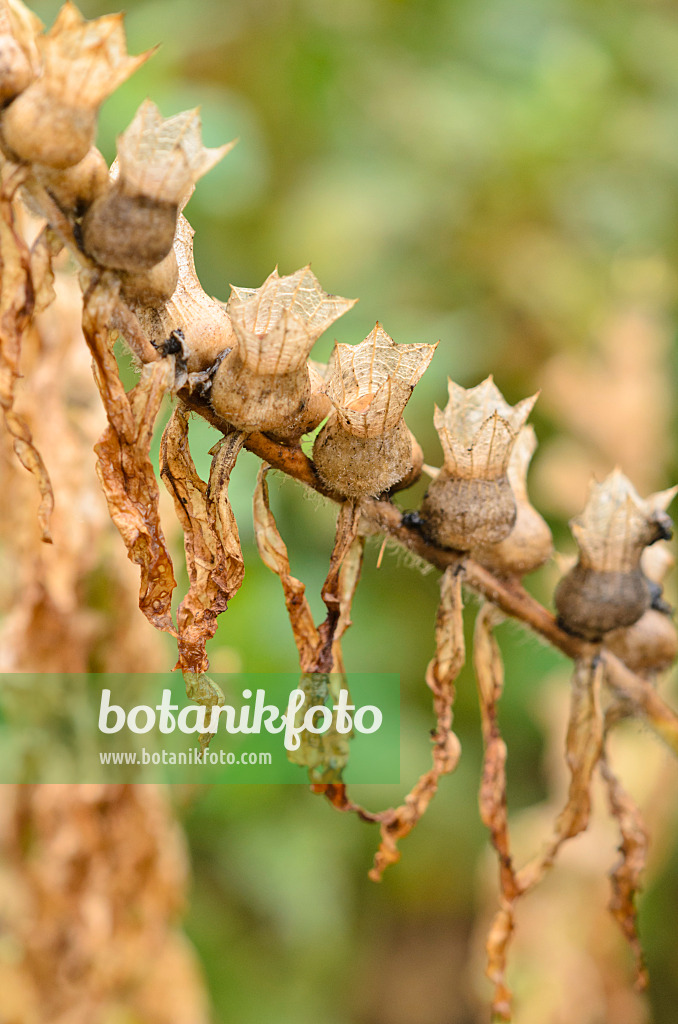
(440,677)
(626,874)
(273,553)
(17,306)
(213,555)
(123,463)
(489,673)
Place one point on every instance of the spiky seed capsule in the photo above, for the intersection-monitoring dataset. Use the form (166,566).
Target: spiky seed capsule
(365,448)
(53,121)
(264,382)
(470,503)
(132,227)
(607,589)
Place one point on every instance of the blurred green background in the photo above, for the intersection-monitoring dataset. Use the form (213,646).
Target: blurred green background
(501,175)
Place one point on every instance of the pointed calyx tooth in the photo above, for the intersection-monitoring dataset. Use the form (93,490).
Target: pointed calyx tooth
(132,227)
(53,121)
(366,448)
(607,589)
(529,544)
(470,503)
(202,320)
(264,383)
(370,384)
(19,59)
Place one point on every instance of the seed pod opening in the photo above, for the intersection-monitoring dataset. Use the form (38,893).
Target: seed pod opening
(264,383)
(53,121)
(132,227)
(365,448)
(470,503)
(607,589)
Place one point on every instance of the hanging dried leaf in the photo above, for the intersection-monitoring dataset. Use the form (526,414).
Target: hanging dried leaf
(440,677)
(273,553)
(626,874)
(213,555)
(324,754)
(123,464)
(17,307)
(583,751)
(489,673)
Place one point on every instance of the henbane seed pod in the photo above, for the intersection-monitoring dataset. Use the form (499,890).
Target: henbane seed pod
(650,644)
(365,448)
(470,503)
(132,226)
(263,384)
(607,589)
(53,121)
(529,543)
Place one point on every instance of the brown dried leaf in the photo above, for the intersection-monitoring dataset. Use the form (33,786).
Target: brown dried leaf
(123,464)
(440,677)
(213,555)
(626,874)
(273,553)
(584,746)
(493,806)
(17,307)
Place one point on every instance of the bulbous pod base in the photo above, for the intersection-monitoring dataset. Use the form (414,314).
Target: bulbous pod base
(151,288)
(76,187)
(649,645)
(268,403)
(15,71)
(40,128)
(462,514)
(130,233)
(591,603)
(528,545)
(362,467)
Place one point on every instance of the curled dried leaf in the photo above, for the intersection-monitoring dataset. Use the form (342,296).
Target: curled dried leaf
(441,674)
(123,463)
(19,292)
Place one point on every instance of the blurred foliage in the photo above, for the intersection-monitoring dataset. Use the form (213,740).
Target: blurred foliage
(502,176)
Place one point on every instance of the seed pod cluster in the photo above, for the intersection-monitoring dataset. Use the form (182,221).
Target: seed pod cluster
(470,503)
(132,226)
(365,448)
(264,383)
(607,588)
(53,119)
(529,544)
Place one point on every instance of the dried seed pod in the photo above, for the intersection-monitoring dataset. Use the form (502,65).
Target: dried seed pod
(650,644)
(76,187)
(470,503)
(53,121)
(607,589)
(264,383)
(365,448)
(529,544)
(19,61)
(132,227)
(154,287)
(203,321)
